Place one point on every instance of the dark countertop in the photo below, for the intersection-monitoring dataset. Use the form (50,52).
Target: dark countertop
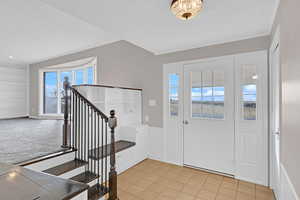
(17,183)
(121,145)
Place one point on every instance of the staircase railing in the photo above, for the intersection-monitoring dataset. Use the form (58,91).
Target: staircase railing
(85,130)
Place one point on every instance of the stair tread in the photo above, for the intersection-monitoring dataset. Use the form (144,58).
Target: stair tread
(65,167)
(96,192)
(104,151)
(85,177)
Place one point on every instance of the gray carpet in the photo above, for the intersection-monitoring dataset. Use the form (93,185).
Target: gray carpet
(24,139)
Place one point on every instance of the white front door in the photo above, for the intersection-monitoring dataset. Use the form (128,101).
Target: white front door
(209,115)
(275,119)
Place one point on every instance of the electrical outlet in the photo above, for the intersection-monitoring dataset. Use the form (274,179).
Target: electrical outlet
(147,118)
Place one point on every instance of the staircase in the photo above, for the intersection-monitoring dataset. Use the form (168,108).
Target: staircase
(89,142)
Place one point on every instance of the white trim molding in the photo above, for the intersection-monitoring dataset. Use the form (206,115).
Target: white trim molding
(156,143)
(287,189)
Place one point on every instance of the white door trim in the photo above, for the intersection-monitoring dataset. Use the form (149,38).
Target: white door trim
(275,46)
(179,65)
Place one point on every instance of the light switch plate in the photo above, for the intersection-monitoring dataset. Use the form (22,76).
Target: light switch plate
(152,102)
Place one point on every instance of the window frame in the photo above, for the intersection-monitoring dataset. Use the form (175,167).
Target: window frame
(58,70)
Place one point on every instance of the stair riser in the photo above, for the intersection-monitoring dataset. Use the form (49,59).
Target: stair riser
(46,164)
(92,183)
(81,196)
(73,173)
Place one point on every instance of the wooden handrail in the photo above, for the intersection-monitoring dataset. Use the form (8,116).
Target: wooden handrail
(107,86)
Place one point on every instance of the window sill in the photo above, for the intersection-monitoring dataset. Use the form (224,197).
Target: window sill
(48,116)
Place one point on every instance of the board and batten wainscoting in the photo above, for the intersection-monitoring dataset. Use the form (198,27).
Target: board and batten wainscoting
(14,92)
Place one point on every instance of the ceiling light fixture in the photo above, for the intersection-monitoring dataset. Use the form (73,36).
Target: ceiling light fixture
(186,9)
(10,57)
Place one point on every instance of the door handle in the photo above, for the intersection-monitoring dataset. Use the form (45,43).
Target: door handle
(185,122)
(276,132)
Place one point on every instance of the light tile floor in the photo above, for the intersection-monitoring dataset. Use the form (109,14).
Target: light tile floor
(153,180)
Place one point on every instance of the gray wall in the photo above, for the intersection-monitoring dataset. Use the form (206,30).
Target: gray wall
(120,64)
(288,18)
(124,64)
(243,46)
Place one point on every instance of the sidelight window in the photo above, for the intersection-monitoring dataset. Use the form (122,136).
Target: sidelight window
(173,94)
(249,92)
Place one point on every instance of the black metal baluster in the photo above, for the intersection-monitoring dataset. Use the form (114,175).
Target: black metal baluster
(95,140)
(98,150)
(106,155)
(81,122)
(102,134)
(73,122)
(85,132)
(76,126)
(79,129)
(88,138)
(93,153)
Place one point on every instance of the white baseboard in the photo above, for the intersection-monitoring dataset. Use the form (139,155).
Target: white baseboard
(16,116)
(287,190)
(156,143)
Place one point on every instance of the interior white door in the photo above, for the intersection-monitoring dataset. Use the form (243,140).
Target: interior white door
(209,115)
(275,119)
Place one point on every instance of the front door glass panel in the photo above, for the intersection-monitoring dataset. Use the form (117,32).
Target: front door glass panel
(207,94)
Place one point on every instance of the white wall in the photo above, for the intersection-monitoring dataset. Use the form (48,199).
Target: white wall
(287,15)
(13,90)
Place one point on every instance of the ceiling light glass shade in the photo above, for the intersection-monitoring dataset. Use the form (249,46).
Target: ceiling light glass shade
(186,9)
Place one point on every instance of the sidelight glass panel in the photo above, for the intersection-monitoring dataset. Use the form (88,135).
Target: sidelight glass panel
(249,92)
(50,92)
(173,94)
(249,102)
(207,94)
